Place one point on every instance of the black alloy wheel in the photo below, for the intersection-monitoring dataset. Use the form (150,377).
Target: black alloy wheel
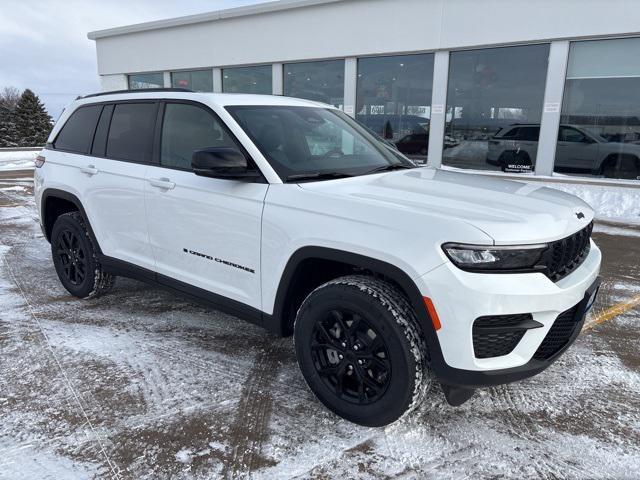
(72,257)
(75,258)
(350,357)
(361,350)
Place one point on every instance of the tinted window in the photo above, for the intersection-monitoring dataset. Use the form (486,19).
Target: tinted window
(310,140)
(76,135)
(568,134)
(394,99)
(100,139)
(493,88)
(248,80)
(131,132)
(187,129)
(319,81)
(512,132)
(530,134)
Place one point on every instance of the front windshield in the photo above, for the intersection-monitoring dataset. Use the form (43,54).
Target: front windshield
(299,141)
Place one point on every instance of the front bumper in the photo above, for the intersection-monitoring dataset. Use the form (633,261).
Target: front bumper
(461,297)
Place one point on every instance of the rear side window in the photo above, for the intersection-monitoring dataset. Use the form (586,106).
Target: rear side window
(131,133)
(100,139)
(511,133)
(77,133)
(187,129)
(530,133)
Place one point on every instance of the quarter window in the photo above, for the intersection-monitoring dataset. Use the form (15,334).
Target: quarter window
(187,129)
(131,132)
(77,133)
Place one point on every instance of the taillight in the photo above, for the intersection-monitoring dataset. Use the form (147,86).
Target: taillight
(39,161)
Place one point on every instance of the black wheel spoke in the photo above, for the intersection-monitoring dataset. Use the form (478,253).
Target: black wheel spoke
(72,257)
(341,372)
(328,337)
(350,357)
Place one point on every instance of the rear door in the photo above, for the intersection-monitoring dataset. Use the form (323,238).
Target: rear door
(105,169)
(114,177)
(205,232)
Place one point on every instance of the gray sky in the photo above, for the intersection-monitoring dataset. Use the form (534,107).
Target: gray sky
(44,45)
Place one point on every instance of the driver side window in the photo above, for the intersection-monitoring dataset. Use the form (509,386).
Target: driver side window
(186,129)
(568,134)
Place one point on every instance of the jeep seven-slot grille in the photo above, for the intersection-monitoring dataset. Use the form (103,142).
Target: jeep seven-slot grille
(564,256)
(559,334)
(497,335)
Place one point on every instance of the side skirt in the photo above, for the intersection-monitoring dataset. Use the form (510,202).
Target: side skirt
(204,297)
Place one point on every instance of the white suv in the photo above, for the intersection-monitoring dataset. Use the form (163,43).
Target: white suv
(291,215)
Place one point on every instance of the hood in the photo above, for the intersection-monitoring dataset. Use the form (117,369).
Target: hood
(510,212)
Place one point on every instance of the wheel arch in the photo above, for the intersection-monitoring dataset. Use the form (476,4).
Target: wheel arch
(55,202)
(611,157)
(285,305)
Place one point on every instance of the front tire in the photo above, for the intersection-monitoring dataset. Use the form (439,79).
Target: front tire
(361,350)
(75,260)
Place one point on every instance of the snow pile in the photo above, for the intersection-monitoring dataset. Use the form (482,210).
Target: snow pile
(17,160)
(612,203)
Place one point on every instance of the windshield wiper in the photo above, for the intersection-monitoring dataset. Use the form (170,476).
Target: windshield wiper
(388,168)
(317,176)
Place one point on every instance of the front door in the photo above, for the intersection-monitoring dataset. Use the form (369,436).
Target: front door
(203,231)
(576,151)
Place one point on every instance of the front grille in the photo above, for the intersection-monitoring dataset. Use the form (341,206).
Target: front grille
(564,256)
(497,335)
(559,335)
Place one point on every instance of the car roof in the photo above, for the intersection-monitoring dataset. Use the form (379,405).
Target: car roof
(221,99)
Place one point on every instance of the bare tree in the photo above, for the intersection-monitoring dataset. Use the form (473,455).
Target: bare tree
(9,98)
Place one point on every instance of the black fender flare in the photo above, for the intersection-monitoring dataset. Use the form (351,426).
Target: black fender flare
(278,320)
(70,197)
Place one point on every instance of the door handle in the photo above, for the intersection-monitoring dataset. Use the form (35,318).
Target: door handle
(89,170)
(163,183)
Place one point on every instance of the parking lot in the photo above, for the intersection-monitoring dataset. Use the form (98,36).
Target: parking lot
(144,384)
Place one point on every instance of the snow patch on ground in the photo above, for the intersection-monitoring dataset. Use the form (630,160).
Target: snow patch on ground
(16,160)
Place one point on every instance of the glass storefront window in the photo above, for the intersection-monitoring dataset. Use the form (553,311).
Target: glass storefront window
(599,131)
(196,80)
(140,81)
(494,107)
(319,81)
(248,80)
(394,100)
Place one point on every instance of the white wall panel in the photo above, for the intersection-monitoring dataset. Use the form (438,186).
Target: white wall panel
(359,27)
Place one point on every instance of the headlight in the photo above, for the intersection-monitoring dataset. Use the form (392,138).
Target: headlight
(488,258)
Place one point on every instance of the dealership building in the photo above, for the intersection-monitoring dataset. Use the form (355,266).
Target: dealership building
(545,88)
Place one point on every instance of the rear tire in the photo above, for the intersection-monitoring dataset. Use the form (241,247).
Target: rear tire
(361,350)
(75,259)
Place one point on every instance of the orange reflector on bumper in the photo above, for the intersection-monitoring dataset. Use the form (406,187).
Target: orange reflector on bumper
(432,313)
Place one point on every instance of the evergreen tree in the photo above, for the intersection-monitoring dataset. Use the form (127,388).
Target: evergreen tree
(8,133)
(33,123)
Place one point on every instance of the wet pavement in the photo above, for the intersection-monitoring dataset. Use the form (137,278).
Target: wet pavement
(144,384)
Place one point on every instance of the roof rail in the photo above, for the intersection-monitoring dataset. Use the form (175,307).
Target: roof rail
(142,90)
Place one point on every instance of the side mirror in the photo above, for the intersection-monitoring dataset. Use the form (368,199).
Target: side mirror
(227,163)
